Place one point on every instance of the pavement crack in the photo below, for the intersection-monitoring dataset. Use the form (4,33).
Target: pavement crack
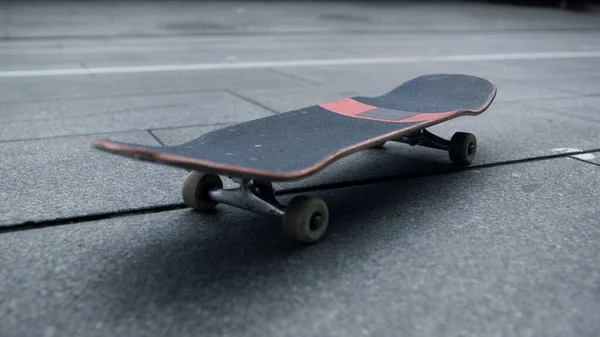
(28,225)
(250,100)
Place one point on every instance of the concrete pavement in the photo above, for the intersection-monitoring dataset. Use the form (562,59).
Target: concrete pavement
(99,245)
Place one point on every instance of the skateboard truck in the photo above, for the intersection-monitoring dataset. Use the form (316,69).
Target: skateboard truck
(462,147)
(425,138)
(304,218)
(253,196)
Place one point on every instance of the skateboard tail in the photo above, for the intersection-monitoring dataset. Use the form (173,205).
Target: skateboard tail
(142,153)
(139,152)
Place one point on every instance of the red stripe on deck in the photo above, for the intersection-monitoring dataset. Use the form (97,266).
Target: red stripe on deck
(347,106)
(425,116)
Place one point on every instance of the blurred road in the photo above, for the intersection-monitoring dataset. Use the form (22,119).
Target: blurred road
(99,245)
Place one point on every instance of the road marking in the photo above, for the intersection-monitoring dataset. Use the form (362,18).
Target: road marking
(582,156)
(297,63)
(585,156)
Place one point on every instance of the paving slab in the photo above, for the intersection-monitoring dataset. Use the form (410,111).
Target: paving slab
(48,179)
(25,120)
(104,85)
(508,250)
(583,85)
(578,77)
(585,107)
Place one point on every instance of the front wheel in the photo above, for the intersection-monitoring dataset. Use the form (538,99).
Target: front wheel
(463,148)
(195,190)
(305,219)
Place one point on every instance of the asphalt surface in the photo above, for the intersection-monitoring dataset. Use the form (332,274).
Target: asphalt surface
(98,245)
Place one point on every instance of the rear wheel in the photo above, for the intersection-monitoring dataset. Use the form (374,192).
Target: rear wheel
(463,148)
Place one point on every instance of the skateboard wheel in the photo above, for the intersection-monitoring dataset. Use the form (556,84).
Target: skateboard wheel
(196,187)
(463,148)
(305,219)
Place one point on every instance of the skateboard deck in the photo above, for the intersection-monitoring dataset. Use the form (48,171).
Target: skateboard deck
(295,144)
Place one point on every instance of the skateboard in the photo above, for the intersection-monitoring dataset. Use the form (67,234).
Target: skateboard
(295,144)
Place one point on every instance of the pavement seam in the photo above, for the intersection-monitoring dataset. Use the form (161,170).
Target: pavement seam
(29,225)
(100,113)
(88,218)
(585,161)
(250,100)
(156,137)
(110,132)
(292,76)
(193,126)
(140,94)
